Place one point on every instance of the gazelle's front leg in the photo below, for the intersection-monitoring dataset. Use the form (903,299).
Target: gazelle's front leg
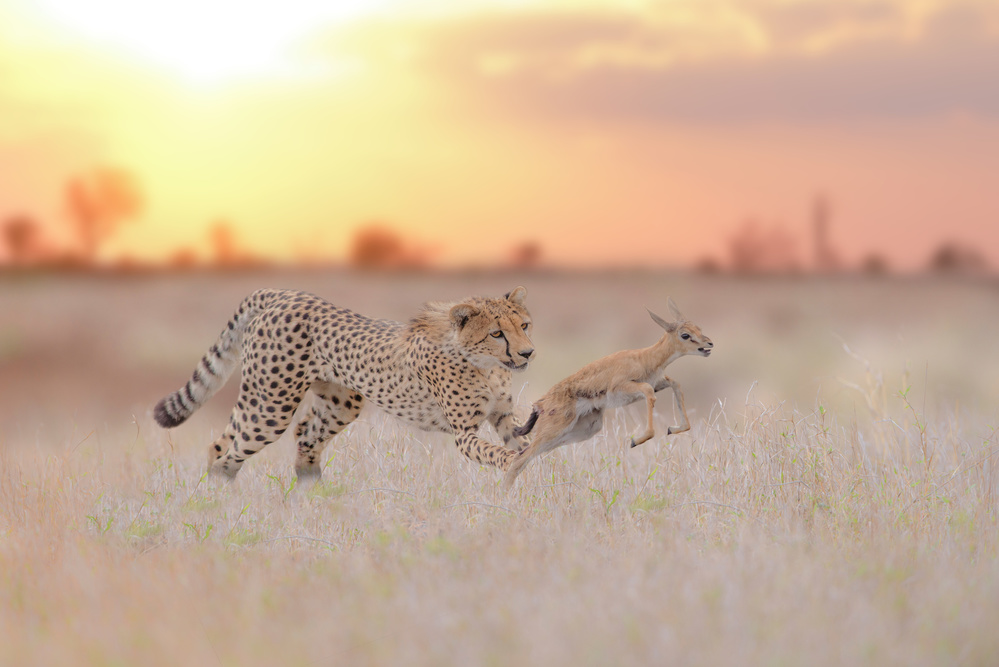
(632,387)
(678,400)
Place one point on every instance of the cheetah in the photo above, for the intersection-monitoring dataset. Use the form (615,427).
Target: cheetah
(449,369)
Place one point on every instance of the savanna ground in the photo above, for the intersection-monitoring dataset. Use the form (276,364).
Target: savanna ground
(834,503)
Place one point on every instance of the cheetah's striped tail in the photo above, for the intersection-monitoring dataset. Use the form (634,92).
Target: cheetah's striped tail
(214,368)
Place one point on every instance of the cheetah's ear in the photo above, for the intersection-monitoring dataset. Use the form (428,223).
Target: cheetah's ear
(518,295)
(461,313)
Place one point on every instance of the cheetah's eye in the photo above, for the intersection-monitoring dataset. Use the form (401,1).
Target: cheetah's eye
(497,334)
(685,336)
(524,326)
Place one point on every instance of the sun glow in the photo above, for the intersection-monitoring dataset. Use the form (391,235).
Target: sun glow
(211,41)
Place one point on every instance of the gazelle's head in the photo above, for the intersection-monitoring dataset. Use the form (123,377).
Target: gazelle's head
(686,335)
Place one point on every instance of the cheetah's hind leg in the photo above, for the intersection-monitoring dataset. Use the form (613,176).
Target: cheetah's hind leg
(220,446)
(254,424)
(333,408)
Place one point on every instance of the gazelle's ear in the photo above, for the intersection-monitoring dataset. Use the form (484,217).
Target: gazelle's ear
(677,315)
(668,326)
(517,295)
(461,313)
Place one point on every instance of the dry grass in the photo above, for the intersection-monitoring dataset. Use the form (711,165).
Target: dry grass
(773,533)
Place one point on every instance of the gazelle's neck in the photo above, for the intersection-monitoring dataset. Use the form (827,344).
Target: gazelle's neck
(664,352)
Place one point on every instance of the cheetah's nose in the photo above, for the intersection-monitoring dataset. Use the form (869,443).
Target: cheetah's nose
(526,353)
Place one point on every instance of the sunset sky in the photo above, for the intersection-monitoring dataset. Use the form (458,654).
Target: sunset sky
(623,132)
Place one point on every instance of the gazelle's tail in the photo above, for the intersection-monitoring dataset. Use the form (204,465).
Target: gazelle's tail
(215,367)
(528,425)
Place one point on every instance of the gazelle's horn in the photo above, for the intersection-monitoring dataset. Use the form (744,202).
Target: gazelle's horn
(668,326)
(677,315)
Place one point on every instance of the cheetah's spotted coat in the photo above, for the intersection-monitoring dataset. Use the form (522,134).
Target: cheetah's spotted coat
(448,369)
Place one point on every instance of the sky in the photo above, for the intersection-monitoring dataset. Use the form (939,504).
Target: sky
(634,132)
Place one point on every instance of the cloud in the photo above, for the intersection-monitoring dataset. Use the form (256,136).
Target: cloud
(723,60)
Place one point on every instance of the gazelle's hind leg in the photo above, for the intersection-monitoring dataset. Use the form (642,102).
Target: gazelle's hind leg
(550,432)
(650,402)
(586,427)
(333,408)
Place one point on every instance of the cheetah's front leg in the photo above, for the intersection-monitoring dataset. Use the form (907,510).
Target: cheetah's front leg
(475,448)
(505,422)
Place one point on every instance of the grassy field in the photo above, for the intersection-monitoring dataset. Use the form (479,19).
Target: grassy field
(834,503)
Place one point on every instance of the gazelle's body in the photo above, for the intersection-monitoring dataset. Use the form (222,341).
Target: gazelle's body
(572,410)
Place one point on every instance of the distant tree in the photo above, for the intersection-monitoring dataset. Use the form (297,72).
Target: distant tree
(956,258)
(99,202)
(376,246)
(23,239)
(526,255)
(226,249)
(755,250)
(875,265)
(183,259)
(826,259)
(128,264)
(708,266)
(222,237)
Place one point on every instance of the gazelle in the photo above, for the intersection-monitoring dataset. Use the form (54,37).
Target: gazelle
(573,410)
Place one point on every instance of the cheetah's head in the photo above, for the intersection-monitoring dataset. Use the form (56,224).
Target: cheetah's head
(493,332)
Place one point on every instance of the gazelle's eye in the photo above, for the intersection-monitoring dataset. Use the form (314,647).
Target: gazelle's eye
(524,326)
(497,334)
(685,336)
